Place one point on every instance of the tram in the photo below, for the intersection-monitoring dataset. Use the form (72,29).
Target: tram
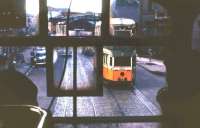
(119,62)
(119,65)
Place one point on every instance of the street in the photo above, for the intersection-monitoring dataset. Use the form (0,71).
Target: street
(86,76)
(138,101)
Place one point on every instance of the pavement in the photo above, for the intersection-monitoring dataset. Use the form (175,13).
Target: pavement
(154,66)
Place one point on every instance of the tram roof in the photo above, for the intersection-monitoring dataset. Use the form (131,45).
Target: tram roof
(120,50)
(119,21)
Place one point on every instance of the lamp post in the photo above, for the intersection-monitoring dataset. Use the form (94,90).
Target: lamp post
(141,18)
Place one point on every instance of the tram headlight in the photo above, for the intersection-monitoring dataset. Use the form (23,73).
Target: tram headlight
(122,74)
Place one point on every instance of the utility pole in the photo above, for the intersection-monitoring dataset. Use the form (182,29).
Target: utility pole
(68,16)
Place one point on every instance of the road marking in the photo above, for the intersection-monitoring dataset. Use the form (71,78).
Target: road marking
(151,107)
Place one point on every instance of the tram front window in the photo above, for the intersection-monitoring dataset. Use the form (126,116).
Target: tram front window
(123,33)
(122,61)
(80,73)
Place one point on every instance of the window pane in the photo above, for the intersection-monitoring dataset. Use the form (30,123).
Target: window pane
(30,62)
(86,68)
(122,61)
(128,90)
(130,18)
(31,25)
(73,17)
(63,68)
(120,97)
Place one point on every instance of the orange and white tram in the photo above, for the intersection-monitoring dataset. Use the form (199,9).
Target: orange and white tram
(119,64)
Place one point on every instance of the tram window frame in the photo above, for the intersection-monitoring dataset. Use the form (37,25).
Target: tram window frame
(103,40)
(106,59)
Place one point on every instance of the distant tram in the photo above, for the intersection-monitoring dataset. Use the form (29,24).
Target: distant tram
(119,64)
(120,27)
(119,61)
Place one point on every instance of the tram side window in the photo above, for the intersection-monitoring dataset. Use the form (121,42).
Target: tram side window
(111,61)
(106,57)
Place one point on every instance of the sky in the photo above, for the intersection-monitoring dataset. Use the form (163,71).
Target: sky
(77,5)
(32,6)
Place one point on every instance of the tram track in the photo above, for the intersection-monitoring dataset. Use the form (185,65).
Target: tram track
(117,102)
(143,99)
(93,106)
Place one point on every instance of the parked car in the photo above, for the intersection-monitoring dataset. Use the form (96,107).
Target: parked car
(62,51)
(38,56)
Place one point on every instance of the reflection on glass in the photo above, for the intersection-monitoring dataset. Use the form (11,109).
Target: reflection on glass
(73,17)
(63,68)
(86,68)
(138,18)
(31,25)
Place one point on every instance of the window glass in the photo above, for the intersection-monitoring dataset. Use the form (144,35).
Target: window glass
(63,68)
(31,61)
(24,60)
(137,98)
(73,17)
(130,18)
(124,94)
(128,90)
(29,23)
(111,61)
(122,61)
(86,69)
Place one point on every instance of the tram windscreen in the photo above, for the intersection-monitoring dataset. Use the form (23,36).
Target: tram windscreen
(122,61)
(123,33)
